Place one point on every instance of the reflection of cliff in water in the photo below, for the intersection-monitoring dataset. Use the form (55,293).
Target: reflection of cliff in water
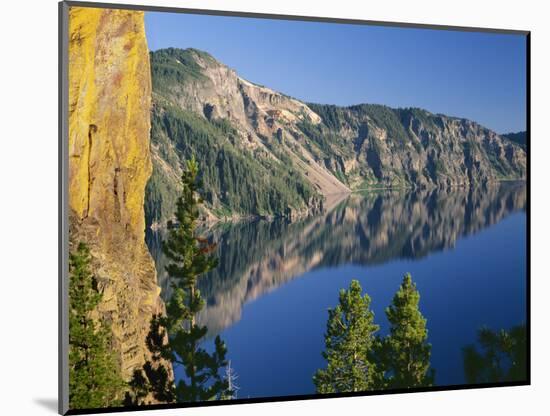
(256,257)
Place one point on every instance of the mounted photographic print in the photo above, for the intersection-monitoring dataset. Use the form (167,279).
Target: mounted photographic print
(264,208)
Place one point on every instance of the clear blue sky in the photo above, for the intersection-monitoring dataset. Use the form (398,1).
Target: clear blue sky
(479,76)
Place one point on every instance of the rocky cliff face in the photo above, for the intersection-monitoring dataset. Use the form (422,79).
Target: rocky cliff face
(109,165)
(240,131)
(395,147)
(328,149)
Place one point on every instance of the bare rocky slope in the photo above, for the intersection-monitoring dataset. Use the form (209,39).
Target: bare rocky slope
(265,153)
(109,166)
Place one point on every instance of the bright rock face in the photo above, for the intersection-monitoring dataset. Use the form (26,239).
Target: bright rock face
(109,166)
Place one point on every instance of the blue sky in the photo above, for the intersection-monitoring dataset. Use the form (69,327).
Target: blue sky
(479,76)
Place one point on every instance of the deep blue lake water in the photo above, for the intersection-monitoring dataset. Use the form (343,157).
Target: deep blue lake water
(268,299)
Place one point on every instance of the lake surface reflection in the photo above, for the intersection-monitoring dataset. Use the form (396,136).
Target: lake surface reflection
(268,298)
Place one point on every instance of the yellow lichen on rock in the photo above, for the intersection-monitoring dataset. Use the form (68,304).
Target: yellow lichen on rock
(110,100)
(109,166)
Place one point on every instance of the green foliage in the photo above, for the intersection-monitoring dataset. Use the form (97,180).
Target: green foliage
(161,196)
(172,65)
(385,118)
(332,115)
(154,379)
(190,257)
(349,340)
(94,374)
(234,181)
(503,356)
(359,360)
(519,138)
(316,133)
(405,352)
(428,120)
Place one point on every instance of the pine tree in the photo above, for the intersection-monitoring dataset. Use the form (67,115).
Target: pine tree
(349,342)
(405,353)
(154,380)
(504,356)
(94,376)
(190,257)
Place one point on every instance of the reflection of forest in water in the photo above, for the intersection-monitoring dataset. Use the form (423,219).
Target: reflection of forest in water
(369,228)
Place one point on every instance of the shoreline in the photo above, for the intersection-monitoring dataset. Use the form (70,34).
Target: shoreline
(340,196)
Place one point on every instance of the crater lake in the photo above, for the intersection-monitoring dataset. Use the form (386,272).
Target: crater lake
(269,295)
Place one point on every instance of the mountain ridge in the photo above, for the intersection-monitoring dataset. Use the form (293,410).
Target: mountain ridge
(519,137)
(301,153)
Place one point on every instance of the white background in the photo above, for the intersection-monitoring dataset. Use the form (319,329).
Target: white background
(28,207)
